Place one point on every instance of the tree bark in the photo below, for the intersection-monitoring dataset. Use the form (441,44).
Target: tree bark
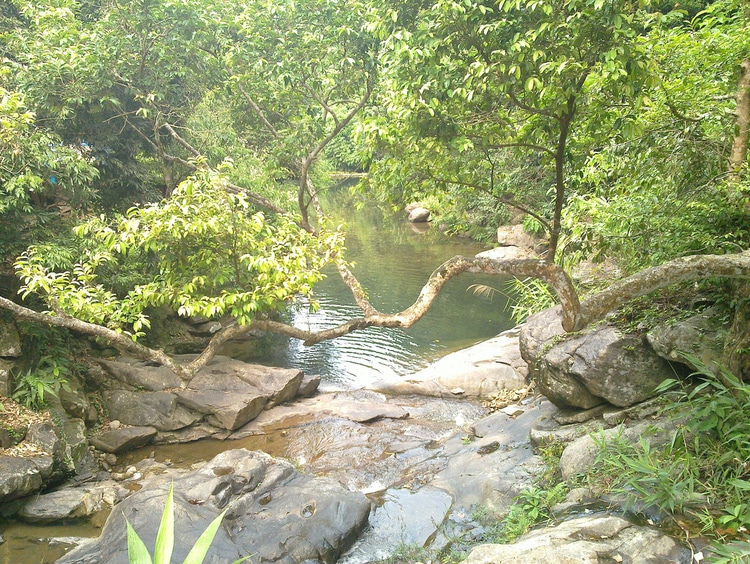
(738,154)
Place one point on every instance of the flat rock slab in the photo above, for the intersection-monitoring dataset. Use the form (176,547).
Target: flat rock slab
(124,439)
(57,506)
(273,512)
(140,374)
(586,540)
(149,409)
(474,372)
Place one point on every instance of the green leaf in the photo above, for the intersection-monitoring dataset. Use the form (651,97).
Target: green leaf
(165,535)
(201,546)
(137,551)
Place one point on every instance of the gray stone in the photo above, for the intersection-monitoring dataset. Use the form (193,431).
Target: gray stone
(308,386)
(77,451)
(140,374)
(586,540)
(10,341)
(47,437)
(149,409)
(581,454)
(6,378)
(418,215)
(515,236)
(478,371)
(18,477)
(702,336)
(537,334)
(73,399)
(601,365)
(274,513)
(509,464)
(55,506)
(510,252)
(124,439)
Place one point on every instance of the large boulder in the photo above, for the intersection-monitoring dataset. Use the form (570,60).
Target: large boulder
(516,236)
(702,336)
(476,372)
(602,364)
(415,213)
(160,410)
(586,540)
(273,512)
(6,377)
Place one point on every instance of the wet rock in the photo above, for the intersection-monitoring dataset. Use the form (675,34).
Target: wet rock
(492,479)
(141,375)
(477,371)
(365,412)
(124,439)
(18,477)
(149,409)
(601,365)
(586,540)
(701,336)
(404,518)
(10,341)
(274,513)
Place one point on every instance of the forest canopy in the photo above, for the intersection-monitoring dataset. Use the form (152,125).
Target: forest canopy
(168,153)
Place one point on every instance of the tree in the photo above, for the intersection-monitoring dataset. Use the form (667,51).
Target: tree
(476,86)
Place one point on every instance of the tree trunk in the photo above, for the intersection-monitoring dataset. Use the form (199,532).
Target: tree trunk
(738,154)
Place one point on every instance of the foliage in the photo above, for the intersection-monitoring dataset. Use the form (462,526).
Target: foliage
(531,507)
(201,252)
(528,296)
(703,471)
(659,187)
(138,552)
(31,387)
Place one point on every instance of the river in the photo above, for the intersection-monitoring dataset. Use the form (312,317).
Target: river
(392,259)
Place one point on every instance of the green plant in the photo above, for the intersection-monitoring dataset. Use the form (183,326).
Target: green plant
(531,507)
(528,296)
(138,553)
(32,387)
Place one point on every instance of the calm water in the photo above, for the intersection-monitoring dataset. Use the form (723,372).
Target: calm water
(392,260)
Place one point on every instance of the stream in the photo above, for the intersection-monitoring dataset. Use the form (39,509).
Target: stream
(392,259)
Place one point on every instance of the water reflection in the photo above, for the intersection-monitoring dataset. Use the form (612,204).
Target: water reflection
(392,261)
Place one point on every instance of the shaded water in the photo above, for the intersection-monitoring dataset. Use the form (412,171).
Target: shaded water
(392,260)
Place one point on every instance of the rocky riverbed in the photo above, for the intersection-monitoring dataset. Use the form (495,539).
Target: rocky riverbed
(345,476)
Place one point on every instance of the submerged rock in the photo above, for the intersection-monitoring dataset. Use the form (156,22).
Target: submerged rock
(273,512)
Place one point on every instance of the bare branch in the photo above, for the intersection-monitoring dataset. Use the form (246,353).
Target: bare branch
(258,111)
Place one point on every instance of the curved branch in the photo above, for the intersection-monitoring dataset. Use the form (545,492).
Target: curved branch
(119,340)
(685,269)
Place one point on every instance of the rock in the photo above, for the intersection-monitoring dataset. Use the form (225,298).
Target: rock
(70,503)
(586,540)
(78,456)
(507,253)
(601,365)
(478,371)
(539,330)
(149,409)
(231,392)
(46,436)
(581,454)
(124,439)
(6,377)
(141,375)
(418,214)
(10,341)
(515,236)
(701,336)
(508,464)
(18,477)
(308,386)
(73,399)
(273,512)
